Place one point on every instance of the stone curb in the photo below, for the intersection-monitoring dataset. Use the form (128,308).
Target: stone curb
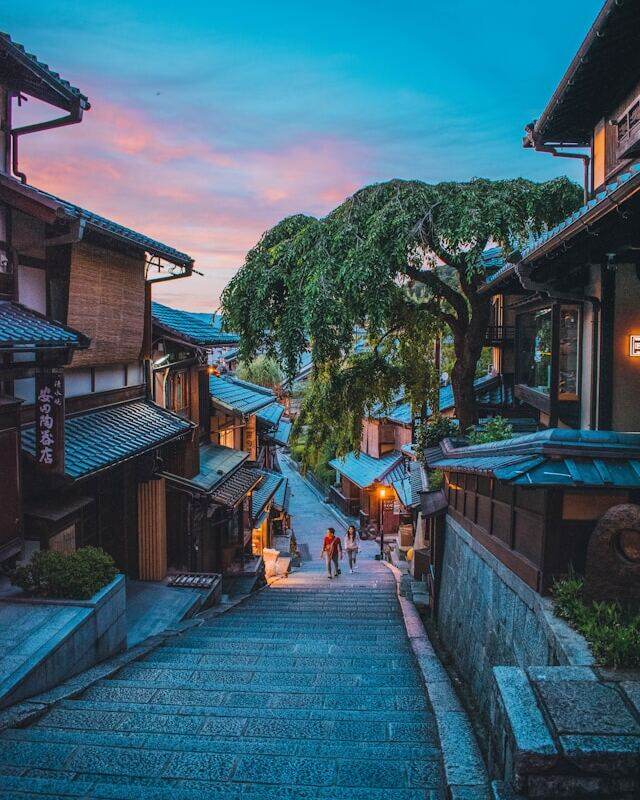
(465,772)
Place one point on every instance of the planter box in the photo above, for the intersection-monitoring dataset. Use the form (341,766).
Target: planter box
(73,636)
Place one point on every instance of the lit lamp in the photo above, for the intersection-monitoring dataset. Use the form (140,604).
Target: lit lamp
(383,493)
(634,345)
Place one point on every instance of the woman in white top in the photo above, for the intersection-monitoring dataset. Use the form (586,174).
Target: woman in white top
(351,546)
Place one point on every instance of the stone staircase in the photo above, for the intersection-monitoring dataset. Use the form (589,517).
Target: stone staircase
(306,690)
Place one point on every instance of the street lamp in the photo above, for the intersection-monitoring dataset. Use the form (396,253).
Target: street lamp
(382,492)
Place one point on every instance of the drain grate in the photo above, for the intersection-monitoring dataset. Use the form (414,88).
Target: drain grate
(194,580)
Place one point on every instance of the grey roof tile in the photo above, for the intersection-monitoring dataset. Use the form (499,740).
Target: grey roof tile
(22,327)
(192,327)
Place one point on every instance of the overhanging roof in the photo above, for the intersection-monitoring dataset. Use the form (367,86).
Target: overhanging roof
(237,396)
(216,464)
(189,326)
(270,415)
(365,470)
(23,328)
(263,493)
(26,73)
(409,486)
(107,436)
(572,458)
(18,194)
(602,72)
(282,433)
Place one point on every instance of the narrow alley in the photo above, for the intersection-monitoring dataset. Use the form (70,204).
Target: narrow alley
(308,689)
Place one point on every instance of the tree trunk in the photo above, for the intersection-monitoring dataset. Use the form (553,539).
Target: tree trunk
(468,349)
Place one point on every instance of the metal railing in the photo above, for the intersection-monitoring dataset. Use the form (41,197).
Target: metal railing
(499,334)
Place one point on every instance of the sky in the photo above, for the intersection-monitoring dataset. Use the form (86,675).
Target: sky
(211,121)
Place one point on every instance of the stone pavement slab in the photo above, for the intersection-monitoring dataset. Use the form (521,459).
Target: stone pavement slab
(306,690)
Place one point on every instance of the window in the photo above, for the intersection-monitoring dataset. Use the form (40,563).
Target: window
(225,437)
(180,391)
(568,355)
(534,349)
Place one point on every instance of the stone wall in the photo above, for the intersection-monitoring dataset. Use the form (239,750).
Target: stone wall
(97,631)
(488,617)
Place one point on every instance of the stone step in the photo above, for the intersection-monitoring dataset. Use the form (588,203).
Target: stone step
(258,663)
(365,700)
(261,633)
(187,718)
(321,748)
(101,787)
(321,676)
(293,649)
(86,761)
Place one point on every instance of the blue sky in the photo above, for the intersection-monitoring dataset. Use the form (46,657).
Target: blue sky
(211,121)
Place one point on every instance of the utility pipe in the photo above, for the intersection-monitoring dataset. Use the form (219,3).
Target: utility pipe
(70,119)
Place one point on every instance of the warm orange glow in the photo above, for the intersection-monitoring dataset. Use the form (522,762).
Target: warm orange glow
(383,492)
(214,371)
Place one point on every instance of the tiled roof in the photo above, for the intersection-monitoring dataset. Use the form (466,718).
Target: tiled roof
(624,183)
(282,433)
(552,457)
(191,327)
(270,415)
(98,439)
(233,489)
(282,496)
(98,223)
(265,491)
(18,53)
(409,486)
(22,327)
(216,463)
(364,470)
(237,396)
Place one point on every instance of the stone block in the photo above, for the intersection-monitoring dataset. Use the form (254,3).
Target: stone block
(586,707)
(533,747)
(610,755)
(632,693)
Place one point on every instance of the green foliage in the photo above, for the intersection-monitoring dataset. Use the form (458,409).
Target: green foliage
(495,430)
(613,632)
(436,480)
(73,576)
(433,432)
(399,260)
(262,370)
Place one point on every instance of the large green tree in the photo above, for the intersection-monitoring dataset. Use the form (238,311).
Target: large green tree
(394,263)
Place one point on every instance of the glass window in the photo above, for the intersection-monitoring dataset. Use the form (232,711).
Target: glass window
(534,349)
(568,355)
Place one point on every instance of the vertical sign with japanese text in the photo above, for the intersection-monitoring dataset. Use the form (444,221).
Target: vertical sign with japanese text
(50,420)
(251,438)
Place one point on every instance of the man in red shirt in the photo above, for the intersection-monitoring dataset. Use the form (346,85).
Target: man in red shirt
(331,550)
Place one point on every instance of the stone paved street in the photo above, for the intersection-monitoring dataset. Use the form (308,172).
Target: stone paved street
(306,690)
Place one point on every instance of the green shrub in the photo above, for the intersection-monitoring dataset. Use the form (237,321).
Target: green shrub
(494,430)
(436,480)
(72,576)
(612,631)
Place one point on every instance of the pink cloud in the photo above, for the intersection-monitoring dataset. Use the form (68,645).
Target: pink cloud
(186,190)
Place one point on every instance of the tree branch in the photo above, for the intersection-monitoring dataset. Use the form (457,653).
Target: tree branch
(442,289)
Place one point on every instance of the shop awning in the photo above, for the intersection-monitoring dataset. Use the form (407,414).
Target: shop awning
(234,488)
(107,436)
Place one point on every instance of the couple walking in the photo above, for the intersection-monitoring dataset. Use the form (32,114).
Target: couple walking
(332,550)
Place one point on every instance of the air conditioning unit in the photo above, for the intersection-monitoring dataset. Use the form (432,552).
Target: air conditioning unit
(629,131)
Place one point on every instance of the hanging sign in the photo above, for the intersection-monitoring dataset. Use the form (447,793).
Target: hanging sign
(634,345)
(50,420)
(251,438)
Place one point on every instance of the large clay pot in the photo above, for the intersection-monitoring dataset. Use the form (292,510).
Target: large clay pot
(613,556)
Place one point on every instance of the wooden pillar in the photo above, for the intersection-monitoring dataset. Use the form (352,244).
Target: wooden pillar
(152,530)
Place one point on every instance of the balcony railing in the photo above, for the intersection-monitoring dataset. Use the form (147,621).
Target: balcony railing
(500,334)
(350,506)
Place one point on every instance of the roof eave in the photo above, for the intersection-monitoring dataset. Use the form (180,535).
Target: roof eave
(557,97)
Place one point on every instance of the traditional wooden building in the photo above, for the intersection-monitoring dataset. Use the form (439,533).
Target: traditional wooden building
(75,290)
(569,311)
(379,486)
(247,417)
